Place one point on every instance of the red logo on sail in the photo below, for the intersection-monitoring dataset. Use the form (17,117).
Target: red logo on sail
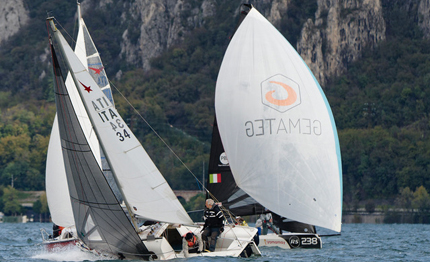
(97,71)
(87,88)
(280,93)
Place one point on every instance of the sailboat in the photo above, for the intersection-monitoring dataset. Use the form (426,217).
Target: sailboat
(275,146)
(102,224)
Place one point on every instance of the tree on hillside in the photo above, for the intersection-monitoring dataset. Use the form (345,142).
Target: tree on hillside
(10,199)
(196,206)
(404,200)
(41,207)
(421,200)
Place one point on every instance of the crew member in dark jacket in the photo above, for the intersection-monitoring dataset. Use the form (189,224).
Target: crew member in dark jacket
(213,223)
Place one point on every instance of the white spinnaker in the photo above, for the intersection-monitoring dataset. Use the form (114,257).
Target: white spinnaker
(144,188)
(282,146)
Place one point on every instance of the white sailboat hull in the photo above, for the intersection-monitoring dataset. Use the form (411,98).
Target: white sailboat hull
(164,241)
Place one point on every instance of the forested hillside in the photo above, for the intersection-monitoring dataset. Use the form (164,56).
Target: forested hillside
(380,103)
(381,109)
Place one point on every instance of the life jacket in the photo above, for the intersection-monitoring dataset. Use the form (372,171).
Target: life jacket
(192,242)
(60,229)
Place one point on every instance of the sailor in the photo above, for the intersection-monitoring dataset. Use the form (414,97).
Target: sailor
(258,225)
(192,243)
(268,223)
(213,223)
(56,230)
(241,222)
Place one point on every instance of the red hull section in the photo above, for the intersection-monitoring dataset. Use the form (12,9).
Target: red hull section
(59,244)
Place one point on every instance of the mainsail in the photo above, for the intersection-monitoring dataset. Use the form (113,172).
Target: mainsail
(277,128)
(86,51)
(88,54)
(223,187)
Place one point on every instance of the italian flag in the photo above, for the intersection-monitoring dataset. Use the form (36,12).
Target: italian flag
(214,178)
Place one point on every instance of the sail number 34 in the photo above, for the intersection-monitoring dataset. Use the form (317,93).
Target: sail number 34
(121,134)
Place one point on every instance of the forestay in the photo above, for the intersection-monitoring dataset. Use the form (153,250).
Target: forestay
(277,127)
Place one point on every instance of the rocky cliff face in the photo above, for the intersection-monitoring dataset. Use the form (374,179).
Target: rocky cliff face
(160,24)
(13,15)
(329,41)
(424,17)
(342,28)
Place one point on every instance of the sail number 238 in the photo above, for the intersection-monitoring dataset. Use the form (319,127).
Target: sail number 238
(121,134)
(309,241)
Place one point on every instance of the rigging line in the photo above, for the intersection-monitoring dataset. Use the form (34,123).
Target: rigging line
(147,123)
(221,207)
(67,33)
(156,133)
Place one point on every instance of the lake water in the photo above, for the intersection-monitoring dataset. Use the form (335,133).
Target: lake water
(358,242)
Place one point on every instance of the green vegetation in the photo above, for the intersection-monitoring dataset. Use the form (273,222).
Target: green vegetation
(380,105)
(197,206)
(11,205)
(415,207)
(41,208)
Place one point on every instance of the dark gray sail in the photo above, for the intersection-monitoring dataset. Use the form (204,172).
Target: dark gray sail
(100,220)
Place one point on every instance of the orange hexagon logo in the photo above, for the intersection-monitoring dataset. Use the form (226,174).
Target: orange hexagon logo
(280,93)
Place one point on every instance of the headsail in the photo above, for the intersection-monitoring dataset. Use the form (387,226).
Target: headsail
(57,190)
(143,187)
(277,127)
